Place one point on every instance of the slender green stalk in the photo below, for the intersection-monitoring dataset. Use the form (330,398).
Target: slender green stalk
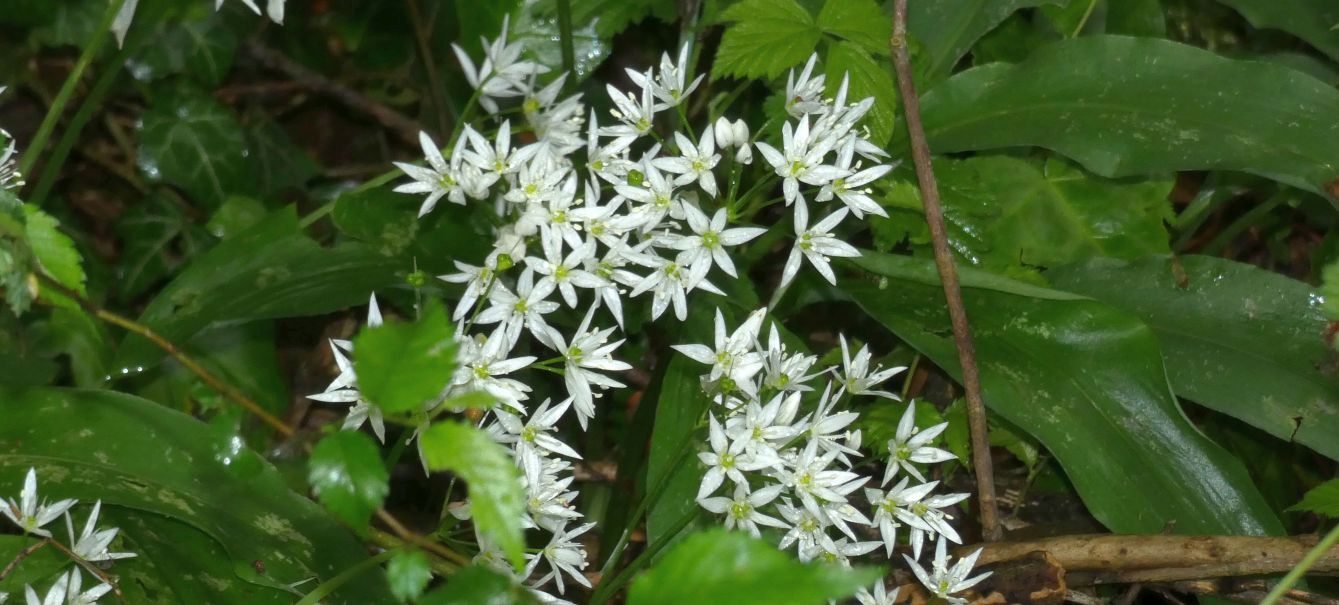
(92,103)
(607,590)
(650,498)
(1247,220)
(67,89)
(1092,4)
(568,47)
(1310,559)
(334,583)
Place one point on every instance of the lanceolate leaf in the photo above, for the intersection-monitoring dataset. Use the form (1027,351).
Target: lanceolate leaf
(1121,107)
(1241,340)
(148,459)
(269,271)
(497,500)
(1310,20)
(730,567)
(946,29)
(1087,381)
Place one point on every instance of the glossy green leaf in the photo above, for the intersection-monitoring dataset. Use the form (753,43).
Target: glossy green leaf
(1241,340)
(767,37)
(719,566)
(946,30)
(347,476)
(157,239)
(55,254)
(1312,20)
(535,26)
(189,140)
(613,16)
(1121,107)
(1322,500)
(389,222)
(474,585)
(497,500)
(135,454)
(1329,291)
(236,215)
(1004,212)
(199,48)
(269,271)
(401,366)
(1087,381)
(868,78)
(39,569)
(861,22)
(409,574)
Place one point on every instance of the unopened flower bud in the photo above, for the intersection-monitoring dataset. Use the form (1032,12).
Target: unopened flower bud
(725,135)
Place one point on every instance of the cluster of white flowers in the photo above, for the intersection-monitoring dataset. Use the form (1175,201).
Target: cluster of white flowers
(9,173)
(653,214)
(793,472)
(274,9)
(33,514)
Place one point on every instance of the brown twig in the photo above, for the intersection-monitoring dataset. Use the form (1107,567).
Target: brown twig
(1108,559)
(237,397)
(948,274)
(1232,589)
(404,128)
(23,554)
(88,566)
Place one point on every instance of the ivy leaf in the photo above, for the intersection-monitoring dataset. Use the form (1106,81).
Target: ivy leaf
(55,254)
(858,21)
(868,78)
(346,472)
(409,574)
(157,238)
(201,48)
(280,163)
(721,566)
(1322,500)
(189,140)
(768,37)
(497,500)
(402,365)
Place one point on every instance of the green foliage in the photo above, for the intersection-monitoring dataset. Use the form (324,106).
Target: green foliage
(868,78)
(1329,291)
(769,36)
(157,463)
(159,238)
(1004,212)
(477,584)
(1322,500)
(497,500)
(945,31)
(1087,381)
(729,567)
(189,140)
(55,255)
(347,476)
(1149,121)
(1310,20)
(401,366)
(280,164)
(408,574)
(861,22)
(200,48)
(1238,339)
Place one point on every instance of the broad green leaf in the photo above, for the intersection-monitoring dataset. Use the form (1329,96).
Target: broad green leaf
(535,26)
(389,222)
(55,254)
(477,584)
(157,238)
(280,163)
(189,140)
(945,30)
(1136,18)
(241,354)
(679,409)
(200,48)
(1004,211)
(1312,20)
(497,501)
(346,473)
(269,271)
(1087,381)
(39,569)
(1322,500)
(1238,339)
(408,574)
(82,338)
(401,366)
(719,566)
(859,21)
(236,215)
(1132,93)
(138,455)
(767,37)
(72,23)
(868,78)
(1329,291)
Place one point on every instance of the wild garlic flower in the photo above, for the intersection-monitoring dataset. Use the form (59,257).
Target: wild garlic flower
(439,180)
(706,245)
(344,388)
(502,74)
(92,544)
(800,159)
(816,244)
(804,95)
(744,508)
(858,377)
(694,162)
(30,514)
(668,85)
(274,9)
(910,446)
(944,581)
(878,596)
(564,556)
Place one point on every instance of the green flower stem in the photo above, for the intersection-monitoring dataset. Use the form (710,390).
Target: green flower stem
(566,42)
(91,104)
(333,584)
(67,89)
(1310,559)
(650,498)
(607,589)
